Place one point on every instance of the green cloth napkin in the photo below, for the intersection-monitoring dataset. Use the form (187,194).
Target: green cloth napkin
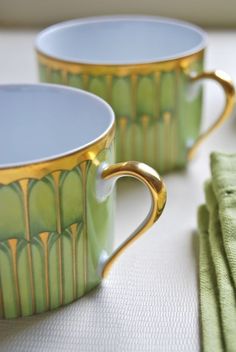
(217,261)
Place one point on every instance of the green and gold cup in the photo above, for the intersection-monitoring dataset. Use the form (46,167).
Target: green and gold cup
(56,196)
(149,70)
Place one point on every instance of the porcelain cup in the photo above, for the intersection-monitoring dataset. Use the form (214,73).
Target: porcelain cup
(149,69)
(57,175)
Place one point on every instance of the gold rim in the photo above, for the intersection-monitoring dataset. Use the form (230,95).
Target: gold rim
(119,70)
(40,169)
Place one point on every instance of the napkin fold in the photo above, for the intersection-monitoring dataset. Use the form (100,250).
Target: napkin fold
(217,256)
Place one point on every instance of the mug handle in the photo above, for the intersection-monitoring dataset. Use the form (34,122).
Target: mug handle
(226,83)
(108,175)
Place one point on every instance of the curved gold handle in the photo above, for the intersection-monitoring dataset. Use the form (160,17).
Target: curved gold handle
(152,180)
(225,81)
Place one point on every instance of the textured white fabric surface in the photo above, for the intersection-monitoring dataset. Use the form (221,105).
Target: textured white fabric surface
(150,300)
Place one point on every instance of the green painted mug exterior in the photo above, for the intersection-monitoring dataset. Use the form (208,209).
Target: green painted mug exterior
(53,232)
(57,205)
(156,121)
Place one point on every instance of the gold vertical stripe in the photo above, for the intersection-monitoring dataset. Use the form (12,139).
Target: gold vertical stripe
(157,115)
(64,76)
(145,121)
(44,238)
(167,122)
(73,229)
(85,78)
(122,123)
(13,247)
(83,167)
(134,80)
(56,178)
(24,184)
(48,74)
(109,79)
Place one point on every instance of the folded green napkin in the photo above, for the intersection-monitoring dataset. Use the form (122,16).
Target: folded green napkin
(217,261)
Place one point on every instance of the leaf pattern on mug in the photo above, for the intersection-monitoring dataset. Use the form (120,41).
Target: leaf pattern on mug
(155,121)
(53,231)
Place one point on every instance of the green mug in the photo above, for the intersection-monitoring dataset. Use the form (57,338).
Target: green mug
(148,69)
(56,196)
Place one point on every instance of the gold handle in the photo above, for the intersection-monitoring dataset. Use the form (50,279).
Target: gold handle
(152,180)
(225,81)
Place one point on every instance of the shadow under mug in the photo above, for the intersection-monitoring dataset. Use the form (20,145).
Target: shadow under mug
(148,69)
(56,196)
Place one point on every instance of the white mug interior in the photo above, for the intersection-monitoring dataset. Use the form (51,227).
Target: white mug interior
(120,40)
(41,122)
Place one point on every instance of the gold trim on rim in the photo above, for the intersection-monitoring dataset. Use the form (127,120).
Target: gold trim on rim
(116,69)
(40,169)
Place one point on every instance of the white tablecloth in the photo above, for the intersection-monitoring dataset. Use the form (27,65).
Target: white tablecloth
(150,300)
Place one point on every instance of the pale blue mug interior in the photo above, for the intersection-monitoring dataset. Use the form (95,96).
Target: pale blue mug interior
(120,40)
(42,121)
